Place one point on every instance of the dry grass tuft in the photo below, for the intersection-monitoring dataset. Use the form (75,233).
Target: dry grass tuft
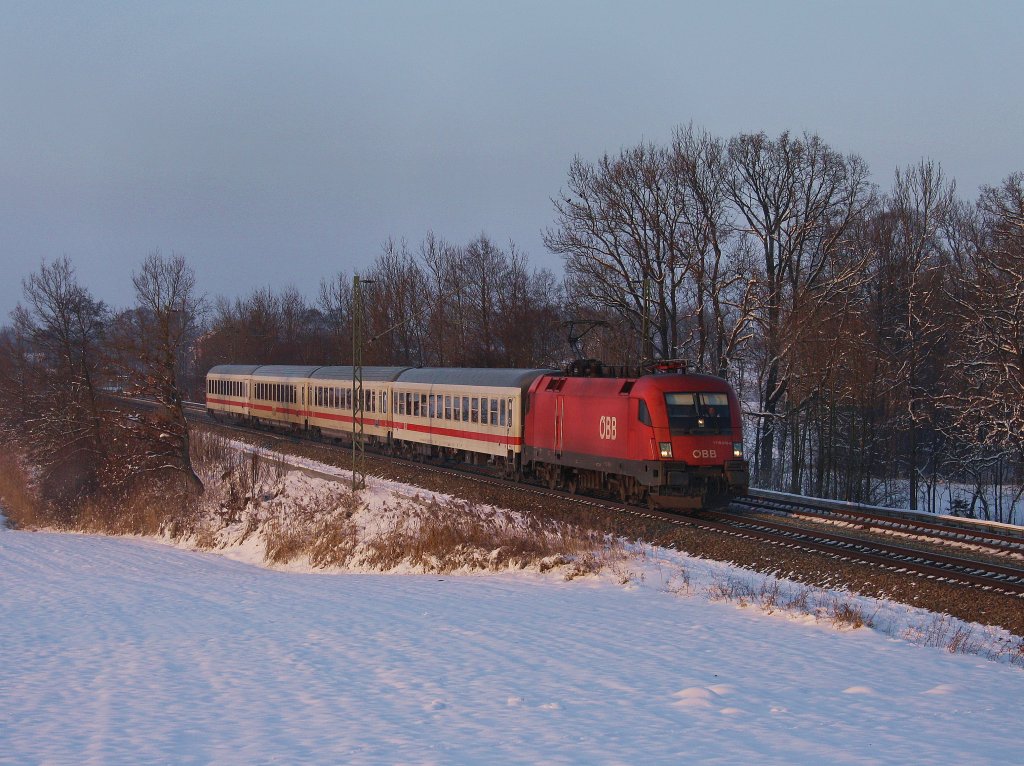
(774,596)
(21,507)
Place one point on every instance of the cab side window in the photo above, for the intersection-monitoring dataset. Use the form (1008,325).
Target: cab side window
(643,414)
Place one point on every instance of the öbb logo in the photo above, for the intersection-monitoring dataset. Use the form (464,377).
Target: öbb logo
(705,454)
(608,428)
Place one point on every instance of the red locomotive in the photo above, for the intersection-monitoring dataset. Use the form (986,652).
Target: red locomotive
(668,438)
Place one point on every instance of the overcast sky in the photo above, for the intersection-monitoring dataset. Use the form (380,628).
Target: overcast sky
(280,142)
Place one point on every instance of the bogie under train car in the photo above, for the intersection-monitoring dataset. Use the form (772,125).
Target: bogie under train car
(667,438)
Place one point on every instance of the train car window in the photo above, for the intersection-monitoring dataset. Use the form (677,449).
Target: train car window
(431,401)
(501,413)
(456,410)
(494,412)
(416,406)
(447,407)
(474,409)
(383,402)
(644,414)
(465,409)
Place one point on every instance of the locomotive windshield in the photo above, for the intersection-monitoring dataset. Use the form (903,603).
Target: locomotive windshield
(704,413)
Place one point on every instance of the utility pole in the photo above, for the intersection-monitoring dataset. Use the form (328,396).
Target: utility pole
(358,404)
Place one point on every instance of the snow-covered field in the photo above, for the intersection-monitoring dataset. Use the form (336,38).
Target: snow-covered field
(133,651)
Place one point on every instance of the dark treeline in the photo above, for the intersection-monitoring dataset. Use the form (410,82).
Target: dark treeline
(875,336)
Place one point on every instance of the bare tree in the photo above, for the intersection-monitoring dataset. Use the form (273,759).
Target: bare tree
(154,339)
(61,332)
(618,227)
(798,198)
(985,395)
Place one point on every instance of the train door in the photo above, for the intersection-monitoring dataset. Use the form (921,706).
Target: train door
(508,422)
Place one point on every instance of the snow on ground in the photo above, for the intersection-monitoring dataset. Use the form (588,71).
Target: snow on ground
(131,651)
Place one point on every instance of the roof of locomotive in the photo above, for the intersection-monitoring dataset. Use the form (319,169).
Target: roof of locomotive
(473,376)
(233,369)
(369,373)
(686,381)
(636,386)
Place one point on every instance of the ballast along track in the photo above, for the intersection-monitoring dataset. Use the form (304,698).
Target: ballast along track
(744,520)
(934,566)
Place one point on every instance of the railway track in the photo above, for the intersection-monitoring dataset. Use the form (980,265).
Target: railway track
(746,518)
(998,538)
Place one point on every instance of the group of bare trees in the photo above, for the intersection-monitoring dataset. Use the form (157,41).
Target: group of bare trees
(440,304)
(875,337)
(66,363)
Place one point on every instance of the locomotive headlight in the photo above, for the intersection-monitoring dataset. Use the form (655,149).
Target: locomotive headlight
(666,450)
(737,449)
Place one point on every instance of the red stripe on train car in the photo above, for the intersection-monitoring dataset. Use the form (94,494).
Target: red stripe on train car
(418,428)
(453,433)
